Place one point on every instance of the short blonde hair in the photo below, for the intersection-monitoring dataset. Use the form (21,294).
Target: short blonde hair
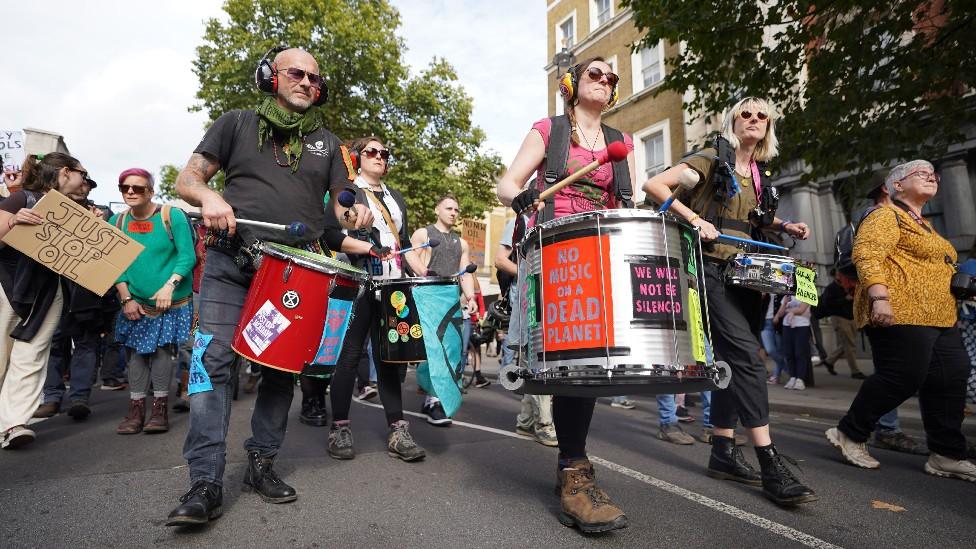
(768,146)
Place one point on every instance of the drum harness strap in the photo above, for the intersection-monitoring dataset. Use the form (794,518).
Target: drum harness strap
(557,154)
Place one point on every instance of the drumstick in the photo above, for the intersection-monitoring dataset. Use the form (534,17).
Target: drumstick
(296,228)
(687,179)
(469,269)
(428,244)
(614,152)
(752,242)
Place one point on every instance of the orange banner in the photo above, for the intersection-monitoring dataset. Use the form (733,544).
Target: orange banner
(576,295)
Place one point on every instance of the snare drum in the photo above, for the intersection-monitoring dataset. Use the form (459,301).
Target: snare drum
(401,333)
(284,316)
(771,274)
(612,302)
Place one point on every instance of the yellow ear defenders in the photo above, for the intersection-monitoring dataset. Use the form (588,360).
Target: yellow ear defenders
(568,84)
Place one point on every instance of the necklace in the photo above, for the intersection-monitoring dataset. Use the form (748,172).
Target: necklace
(274,147)
(587,141)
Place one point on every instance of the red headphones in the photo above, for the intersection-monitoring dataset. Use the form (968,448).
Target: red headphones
(266,77)
(354,155)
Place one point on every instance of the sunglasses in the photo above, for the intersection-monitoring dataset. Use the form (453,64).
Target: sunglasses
(595,74)
(925,175)
(298,75)
(372,152)
(135,189)
(747,115)
(84,174)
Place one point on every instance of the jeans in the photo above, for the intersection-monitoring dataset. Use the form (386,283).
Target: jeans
(667,409)
(465,340)
(222,294)
(771,341)
(82,367)
(888,424)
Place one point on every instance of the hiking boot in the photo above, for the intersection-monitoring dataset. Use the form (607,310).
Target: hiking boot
(159,419)
(726,462)
(545,434)
(313,411)
(942,466)
(203,503)
(261,478)
(79,410)
(854,453)
(48,409)
(132,424)
(182,402)
(583,504)
(672,432)
(401,445)
(708,432)
(17,437)
(435,414)
(899,442)
(778,482)
(683,415)
(340,442)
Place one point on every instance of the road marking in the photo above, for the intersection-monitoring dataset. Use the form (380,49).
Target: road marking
(745,516)
(827,423)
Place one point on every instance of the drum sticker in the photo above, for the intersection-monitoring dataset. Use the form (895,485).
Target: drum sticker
(198,380)
(697,326)
(334,333)
(404,338)
(576,294)
(688,252)
(655,285)
(416,331)
(265,327)
(531,312)
(291,299)
(403,328)
(806,287)
(404,312)
(393,336)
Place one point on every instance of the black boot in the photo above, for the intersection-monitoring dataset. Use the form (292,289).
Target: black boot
(728,463)
(263,480)
(778,481)
(313,402)
(203,503)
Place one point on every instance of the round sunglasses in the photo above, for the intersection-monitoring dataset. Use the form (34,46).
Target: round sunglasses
(595,74)
(372,152)
(747,115)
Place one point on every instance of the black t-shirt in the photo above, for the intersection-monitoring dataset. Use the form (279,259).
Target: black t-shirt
(259,189)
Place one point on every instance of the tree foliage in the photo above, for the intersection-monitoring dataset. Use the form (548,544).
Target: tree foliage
(860,83)
(425,120)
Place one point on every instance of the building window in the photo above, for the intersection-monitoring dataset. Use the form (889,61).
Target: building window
(602,12)
(567,34)
(654,162)
(648,65)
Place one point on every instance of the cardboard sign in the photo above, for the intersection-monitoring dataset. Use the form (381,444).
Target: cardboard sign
(806,287)
(75,243)
(12,152)
(575,293)
(474,233)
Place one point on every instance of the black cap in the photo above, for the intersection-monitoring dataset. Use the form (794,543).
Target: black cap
(91,183)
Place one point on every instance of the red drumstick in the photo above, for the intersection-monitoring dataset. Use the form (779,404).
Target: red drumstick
(614,152)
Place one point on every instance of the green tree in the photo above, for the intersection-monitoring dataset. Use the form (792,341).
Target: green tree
(860,83)
(424,120)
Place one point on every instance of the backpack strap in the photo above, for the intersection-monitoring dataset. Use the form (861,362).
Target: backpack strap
(167,215)
(120,220)
(557,154)
(623,187)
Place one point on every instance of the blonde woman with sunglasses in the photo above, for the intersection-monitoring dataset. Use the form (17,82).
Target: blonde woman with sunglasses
(734,197)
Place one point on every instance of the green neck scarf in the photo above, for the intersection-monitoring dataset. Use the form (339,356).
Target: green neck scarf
(293,126)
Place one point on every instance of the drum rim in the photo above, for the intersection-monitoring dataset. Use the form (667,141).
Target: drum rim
(610,213)
(280,251)
(772,257)
(415,281)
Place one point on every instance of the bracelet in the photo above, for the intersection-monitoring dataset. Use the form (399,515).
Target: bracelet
(783,224)
(693,218)
(125,300)
(873,298)
(173,283)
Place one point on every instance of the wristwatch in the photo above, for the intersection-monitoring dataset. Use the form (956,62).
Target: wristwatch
(173,283)
(125,300)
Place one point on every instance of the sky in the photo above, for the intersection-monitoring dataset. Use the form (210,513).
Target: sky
(114,77)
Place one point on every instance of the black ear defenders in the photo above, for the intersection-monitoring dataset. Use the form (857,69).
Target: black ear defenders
(266,77)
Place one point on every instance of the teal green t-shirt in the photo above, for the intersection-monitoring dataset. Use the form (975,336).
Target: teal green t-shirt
(162,257)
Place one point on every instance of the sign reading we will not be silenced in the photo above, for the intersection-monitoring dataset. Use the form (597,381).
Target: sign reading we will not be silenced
(75,243)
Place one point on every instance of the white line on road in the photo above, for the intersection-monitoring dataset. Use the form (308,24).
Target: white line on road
(731,510)
(827,423)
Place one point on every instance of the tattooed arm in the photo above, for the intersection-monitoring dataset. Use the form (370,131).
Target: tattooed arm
(192,186)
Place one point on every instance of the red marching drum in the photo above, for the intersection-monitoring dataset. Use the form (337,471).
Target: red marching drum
(283,318)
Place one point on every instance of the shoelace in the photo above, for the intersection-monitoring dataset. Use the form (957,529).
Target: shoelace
(781,467)
(740,460)
(400,434)
(343,437)
(196,489)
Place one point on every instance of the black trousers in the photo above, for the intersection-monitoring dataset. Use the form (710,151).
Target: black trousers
(796,350)
(389,377)
(929,360)
(735,317)
(571,417)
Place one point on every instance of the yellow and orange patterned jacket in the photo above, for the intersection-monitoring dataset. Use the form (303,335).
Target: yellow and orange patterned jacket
(891,248)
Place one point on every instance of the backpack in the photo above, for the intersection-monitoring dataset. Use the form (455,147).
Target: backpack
(166,211)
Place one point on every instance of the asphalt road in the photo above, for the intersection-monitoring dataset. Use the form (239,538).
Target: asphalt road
(81,485)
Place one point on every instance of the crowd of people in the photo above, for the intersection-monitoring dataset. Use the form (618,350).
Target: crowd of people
(184,294)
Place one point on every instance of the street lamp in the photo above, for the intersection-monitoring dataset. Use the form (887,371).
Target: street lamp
(563,61)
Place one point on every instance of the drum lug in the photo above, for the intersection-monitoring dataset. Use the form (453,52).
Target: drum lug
(286,274)
(332,285)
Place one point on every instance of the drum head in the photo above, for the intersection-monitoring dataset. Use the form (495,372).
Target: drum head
(311,260)
(416,281)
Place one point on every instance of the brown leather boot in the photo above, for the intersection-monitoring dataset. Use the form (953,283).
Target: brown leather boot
(133,421)
(584,504)
(159,420)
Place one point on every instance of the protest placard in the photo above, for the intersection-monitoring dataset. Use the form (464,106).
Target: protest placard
(473,232)
(75,243)
(12,151)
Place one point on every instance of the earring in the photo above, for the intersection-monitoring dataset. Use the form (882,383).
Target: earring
(359,171)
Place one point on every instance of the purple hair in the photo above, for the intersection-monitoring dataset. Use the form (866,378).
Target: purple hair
(138,172)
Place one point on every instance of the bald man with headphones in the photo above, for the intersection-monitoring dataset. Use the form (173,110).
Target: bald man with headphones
(279,161)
